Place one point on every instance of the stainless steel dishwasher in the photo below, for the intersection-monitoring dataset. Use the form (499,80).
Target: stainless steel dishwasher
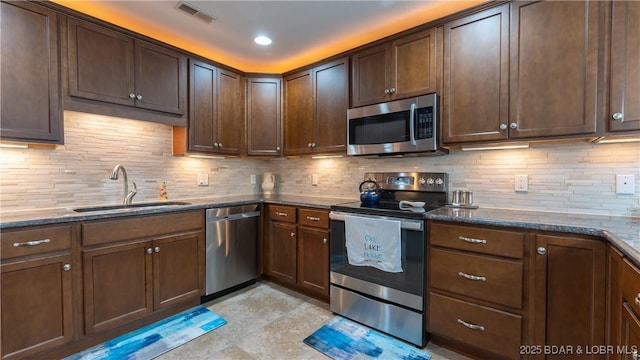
(231,249)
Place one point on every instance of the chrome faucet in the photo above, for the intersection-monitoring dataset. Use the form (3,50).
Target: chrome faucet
(127,195)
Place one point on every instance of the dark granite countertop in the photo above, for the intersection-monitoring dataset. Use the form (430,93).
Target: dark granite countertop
(623,232)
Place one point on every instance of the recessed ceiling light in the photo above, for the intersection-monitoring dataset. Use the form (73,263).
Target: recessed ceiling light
(262,40)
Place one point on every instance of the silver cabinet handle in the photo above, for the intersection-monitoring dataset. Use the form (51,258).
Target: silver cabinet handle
(66,267)
(392,90)
(281,213)
(387,91)
(220,145)
(618,117)
(292,234)
(215,145)
(324,241)
(513,125)
(309,145)
(503,127)
(542,250)
(277,148)
(637,301)
(634,355)
(149,251)
(313,218)
(32,243)
(139,97)
(472,240)
(472,277)
(313,145)
(157,249)
(132,96)
(470,325)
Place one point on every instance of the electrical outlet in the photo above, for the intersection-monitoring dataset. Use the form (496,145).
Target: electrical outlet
(203,179)
(314,179)
(252,179)
(626,184)
(521,183)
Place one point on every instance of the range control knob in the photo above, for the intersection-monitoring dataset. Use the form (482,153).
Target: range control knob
(422,181)
(439,181)
(430,181)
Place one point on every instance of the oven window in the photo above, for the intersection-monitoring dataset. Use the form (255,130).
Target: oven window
(410,280)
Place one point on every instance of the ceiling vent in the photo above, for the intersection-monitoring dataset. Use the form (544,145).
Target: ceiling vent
(194,11)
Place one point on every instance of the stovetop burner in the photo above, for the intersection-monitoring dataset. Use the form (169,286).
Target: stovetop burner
(430,188)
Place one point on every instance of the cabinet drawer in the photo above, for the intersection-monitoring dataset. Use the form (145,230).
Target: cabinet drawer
(35,241)
(316,218)
(494,331)
(282,213)
(138,227)
(482,240)
(495,280)
(631,285)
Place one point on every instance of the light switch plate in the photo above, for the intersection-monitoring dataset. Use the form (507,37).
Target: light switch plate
(521,183)
(626,184)
(203,179)
(314,179)
(252,179)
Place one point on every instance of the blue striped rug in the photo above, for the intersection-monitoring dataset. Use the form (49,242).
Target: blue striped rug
(343,339)
(155,339)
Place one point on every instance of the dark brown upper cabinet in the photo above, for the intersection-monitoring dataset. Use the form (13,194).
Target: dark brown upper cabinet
(524,70)
(31,102)
(624,106)
(216,115)
(110,66)
(398,69)
(315,109)
(264,116)
(475,95)
(554,68)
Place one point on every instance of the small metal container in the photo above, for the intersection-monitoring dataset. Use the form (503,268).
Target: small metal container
(461,198)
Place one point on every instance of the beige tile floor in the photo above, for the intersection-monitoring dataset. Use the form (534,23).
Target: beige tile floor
(267,321)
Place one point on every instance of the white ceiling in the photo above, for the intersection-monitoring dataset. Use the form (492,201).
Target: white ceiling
(302,31)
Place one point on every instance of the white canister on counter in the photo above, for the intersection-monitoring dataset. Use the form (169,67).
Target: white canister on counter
(268,183)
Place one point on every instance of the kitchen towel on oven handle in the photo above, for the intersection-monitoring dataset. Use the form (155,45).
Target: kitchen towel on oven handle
(373,242)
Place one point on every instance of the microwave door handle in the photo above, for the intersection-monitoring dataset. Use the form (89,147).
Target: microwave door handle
(412,130)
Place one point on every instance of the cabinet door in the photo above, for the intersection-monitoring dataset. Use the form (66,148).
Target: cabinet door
(554,67)
(264,116)
(282,251)
(36,307)
(230,116)
(331,86)
(414,65)
(569,295)
(298,114)
(369,76)
(625,66)
(160,78)
(475,97)
(630,333)
(313,259)
(177,269)
(202,107)
(117,285)
(31,104)
(101,63)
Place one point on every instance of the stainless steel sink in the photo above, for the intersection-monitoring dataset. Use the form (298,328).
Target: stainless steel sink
(130,206)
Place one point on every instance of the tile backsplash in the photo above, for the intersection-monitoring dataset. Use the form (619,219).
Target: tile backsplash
(576,177)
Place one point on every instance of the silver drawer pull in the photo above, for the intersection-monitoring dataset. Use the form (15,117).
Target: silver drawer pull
(474,277)
(313,218)
(472,240)
(281,213)
(470,326)
(637,300)
(32,243)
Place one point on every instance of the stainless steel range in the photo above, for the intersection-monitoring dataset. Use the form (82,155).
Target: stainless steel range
(377,252)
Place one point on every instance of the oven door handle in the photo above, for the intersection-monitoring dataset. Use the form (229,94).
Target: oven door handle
(413,225)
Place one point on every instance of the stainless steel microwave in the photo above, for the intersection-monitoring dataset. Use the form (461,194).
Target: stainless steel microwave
(408,126)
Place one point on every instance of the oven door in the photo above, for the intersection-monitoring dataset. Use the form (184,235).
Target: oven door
(405,288)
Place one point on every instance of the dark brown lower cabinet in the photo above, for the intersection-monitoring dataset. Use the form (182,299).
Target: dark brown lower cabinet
(568,301)
(297,248)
